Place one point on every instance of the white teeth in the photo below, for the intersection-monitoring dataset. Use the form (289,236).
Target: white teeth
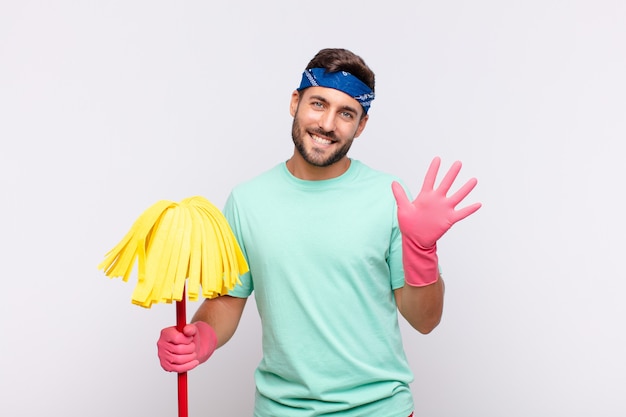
(321,141)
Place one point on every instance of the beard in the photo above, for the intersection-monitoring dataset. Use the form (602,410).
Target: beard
(314,156)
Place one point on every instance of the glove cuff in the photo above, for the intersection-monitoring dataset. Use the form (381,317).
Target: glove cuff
(421,266)
(206,341)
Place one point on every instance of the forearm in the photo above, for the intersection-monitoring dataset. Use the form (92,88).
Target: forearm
(422,306)
(222,314)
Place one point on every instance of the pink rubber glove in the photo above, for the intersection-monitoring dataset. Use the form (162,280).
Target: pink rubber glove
(428,218)
(181,352)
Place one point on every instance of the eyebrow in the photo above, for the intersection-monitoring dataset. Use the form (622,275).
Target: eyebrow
(322,99)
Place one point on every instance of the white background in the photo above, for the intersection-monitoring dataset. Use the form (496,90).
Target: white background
(107,107)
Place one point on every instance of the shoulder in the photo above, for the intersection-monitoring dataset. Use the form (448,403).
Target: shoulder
(257,190)
(377,181)
(268,177)
(371,175)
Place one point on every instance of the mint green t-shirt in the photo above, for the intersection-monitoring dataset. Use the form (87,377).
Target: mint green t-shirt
(324,257)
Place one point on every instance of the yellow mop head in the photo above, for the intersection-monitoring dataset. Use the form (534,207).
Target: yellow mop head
(174,241)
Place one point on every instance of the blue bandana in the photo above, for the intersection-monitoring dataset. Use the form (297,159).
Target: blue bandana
(340,80)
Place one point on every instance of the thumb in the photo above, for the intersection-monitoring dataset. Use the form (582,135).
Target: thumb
(190,330)
(399,194)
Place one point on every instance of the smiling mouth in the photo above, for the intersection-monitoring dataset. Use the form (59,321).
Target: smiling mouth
(321,140)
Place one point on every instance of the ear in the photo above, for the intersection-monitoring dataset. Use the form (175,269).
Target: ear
(361,126)
(293,104)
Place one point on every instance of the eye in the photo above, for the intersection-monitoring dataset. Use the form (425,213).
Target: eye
(347,115)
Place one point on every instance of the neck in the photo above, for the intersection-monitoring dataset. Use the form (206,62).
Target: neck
(303,170)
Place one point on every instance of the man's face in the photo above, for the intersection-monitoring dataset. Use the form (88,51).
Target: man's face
(325,122)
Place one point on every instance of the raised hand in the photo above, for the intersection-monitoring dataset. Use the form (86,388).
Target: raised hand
(432,213)
(427,218)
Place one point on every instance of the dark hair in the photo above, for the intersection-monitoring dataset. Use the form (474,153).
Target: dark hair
(338,59)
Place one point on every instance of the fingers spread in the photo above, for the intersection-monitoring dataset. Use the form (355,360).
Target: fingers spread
(464,212)
(399,194)
(431,174)
(463,192)
(449,178)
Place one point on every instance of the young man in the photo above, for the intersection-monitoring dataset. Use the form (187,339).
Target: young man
(333,257)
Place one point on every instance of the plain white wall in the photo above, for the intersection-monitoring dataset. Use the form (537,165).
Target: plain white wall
(107,107)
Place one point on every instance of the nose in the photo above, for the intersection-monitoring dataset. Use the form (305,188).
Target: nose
(327,121)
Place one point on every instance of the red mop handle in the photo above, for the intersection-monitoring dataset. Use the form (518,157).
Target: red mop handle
(181,321)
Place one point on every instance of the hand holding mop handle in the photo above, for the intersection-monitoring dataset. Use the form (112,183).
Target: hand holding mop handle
(205,343)
(183,351)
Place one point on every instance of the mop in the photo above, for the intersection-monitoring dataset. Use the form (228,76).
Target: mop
(182,249)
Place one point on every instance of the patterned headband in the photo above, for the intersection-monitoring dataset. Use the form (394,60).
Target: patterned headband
(340,80)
